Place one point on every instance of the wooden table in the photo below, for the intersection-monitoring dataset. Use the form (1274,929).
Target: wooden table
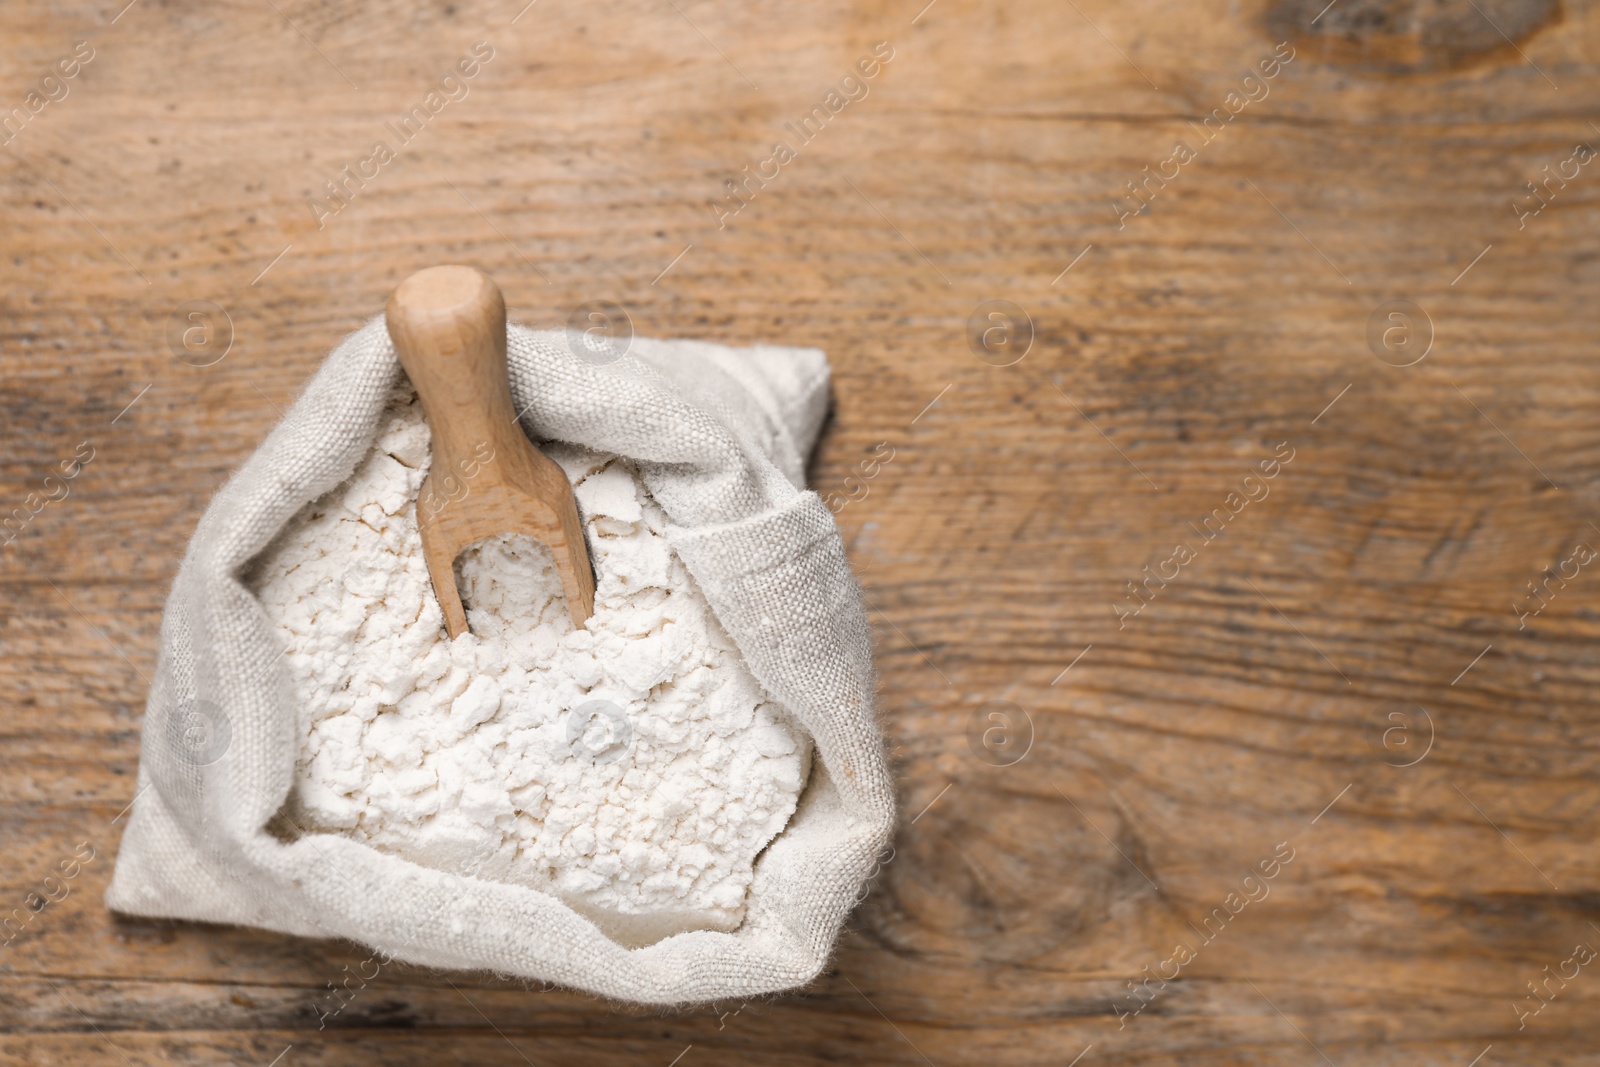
(1351,674)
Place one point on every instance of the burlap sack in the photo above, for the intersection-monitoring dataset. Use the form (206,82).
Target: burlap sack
(720,436)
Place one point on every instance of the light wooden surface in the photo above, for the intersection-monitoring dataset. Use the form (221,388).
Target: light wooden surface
(448,324)
(995,513)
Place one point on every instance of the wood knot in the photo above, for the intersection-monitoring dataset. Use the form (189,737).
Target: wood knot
(1410,36)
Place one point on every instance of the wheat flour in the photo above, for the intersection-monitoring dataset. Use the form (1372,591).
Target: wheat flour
(634,768)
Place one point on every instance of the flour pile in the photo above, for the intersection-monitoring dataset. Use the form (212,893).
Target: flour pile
(634,768)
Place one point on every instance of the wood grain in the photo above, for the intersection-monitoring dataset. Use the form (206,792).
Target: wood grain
(1248,704)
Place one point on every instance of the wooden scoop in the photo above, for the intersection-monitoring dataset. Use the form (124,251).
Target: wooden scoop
(448,325)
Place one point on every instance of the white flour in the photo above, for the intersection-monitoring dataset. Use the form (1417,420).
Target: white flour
(457,754)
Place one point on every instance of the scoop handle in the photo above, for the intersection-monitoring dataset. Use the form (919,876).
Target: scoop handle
(448,324)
